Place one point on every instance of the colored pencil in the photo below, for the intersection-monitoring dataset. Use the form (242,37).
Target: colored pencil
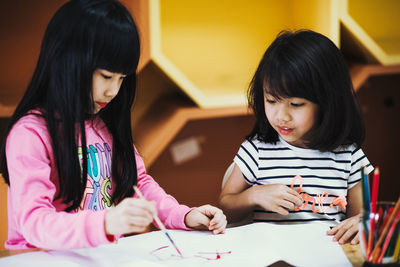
(158,221)
(365,209)
(389,236)
(364,239)
(367,196)
(374,253)
(397,249)
(374,198)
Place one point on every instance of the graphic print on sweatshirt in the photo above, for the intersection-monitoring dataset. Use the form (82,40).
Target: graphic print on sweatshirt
(97,195)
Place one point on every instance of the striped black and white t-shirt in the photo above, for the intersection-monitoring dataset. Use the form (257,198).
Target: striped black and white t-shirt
(332,172)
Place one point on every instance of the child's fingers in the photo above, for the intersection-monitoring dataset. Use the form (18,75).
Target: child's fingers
(350,232)
(218,224)
(218,227)
(343,234)
(220,230)
(334,229)
(203,220)
(142,209)
(293,202)
(218,219)
(209,211)
(299,199)
(210,218)
(287,204)
(282,210)
(356,239)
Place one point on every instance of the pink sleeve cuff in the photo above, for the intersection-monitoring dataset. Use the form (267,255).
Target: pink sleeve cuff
(103,238)
(180,212)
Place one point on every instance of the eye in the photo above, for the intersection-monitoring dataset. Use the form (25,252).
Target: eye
(297,104)
(105,76)
(122,77)
(270,101)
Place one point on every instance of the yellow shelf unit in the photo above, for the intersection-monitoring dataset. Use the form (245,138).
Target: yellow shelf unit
(375,25)
(211,49)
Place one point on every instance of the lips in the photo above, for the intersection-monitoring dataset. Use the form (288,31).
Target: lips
(102,104)
(285,130)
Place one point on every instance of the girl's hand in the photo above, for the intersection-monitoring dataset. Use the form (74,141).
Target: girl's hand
(346,230)
(131,215)
(276,197)
(206,217)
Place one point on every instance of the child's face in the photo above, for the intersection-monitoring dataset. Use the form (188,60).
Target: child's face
(290,117)
(106,86)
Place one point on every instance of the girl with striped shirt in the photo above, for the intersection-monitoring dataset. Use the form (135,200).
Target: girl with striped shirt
(302,161)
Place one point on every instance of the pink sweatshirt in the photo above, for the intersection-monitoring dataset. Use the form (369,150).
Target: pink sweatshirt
(35,219)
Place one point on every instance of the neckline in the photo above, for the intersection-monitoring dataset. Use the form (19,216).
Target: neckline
(296,148)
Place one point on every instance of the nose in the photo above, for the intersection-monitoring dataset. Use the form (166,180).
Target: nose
(113,89)
(283,114)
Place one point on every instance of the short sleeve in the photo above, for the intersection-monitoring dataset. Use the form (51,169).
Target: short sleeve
(247,160)
(358,160)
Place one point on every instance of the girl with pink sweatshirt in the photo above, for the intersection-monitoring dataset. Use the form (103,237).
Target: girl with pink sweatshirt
(68,155)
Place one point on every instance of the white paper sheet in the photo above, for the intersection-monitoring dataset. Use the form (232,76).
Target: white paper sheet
(259,244)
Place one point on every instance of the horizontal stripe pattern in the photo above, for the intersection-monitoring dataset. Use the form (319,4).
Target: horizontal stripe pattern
(331,172)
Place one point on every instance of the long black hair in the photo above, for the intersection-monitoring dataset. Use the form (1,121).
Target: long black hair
(82,36)
(308,65)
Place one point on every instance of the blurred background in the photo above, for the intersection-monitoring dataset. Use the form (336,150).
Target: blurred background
(198,57)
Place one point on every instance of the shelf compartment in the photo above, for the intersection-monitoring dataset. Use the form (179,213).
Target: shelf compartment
(375,25)
(211,49)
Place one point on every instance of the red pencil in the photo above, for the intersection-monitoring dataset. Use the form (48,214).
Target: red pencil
(386,217)
(372,219)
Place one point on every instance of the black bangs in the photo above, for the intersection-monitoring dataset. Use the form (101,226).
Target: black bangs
(289,70)
(119,51)
(115,39)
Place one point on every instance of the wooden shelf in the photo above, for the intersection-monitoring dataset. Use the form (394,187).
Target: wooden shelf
(6,111)
(375,24)
(140,13)
(211,49)
(166,117)
(361,73)
(211,143)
